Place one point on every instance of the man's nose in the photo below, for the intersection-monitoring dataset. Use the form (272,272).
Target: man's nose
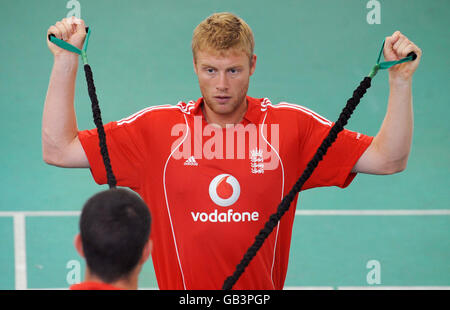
(222,83)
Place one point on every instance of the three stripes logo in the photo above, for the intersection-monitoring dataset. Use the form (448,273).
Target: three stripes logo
(191,162)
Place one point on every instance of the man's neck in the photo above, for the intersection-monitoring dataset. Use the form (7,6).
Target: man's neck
(222,120)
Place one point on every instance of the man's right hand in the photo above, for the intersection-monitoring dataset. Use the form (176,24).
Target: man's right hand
(72,30)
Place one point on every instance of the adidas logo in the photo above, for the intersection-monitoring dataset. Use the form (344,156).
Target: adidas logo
(191,162)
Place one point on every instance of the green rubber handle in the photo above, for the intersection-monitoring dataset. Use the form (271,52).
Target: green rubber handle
(71,48)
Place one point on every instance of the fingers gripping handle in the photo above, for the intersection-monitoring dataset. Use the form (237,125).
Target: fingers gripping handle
(52,35)
(387,64)
(69,47)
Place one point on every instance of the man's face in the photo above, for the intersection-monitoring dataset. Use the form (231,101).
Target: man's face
(224,80)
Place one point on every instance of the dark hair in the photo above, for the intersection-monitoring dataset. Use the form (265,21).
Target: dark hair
(114,228)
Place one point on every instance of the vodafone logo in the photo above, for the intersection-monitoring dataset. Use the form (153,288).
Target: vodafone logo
(224,190)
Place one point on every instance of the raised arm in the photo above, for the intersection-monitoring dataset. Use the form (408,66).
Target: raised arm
(390,148)
(60,144)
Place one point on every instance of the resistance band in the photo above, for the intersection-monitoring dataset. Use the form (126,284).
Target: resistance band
(283,207)
(92,94)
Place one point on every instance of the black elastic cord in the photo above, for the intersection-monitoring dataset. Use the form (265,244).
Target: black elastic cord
(287,200)
(100,129)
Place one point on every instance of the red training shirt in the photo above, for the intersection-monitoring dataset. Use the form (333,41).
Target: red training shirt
(210,190)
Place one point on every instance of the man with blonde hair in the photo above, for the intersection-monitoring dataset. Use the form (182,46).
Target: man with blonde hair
(213,170)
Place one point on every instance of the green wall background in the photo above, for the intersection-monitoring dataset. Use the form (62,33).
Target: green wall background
(312,53)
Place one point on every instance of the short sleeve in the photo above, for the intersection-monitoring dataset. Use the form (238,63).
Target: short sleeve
(124,149)
(335,169)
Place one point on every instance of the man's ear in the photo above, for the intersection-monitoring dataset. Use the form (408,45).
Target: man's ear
(146,252)
(195,65)
(253,64)
(78,245)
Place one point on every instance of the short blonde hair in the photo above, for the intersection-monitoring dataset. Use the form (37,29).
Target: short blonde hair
(222,32)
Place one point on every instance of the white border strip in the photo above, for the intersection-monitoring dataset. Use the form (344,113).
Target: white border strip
(20,254)
(39,213)
(298,212)
(281,198)
(167,202)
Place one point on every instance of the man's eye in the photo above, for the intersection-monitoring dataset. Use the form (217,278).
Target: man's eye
(210,70)
(233,71)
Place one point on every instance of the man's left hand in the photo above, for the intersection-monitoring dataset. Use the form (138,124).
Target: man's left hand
(397,47)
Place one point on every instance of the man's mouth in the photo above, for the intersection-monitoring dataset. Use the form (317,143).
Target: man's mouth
(222,99)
